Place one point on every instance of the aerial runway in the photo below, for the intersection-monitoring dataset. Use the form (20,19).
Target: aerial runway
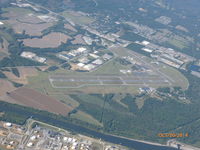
(61,81)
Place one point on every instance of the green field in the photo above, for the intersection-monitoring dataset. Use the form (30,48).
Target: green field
(86,118)
(18,10)
(177,43)
(178,78)
(7,36)
(111,68)
(77,18)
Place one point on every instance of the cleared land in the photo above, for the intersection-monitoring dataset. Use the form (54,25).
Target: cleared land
(178,43)
(24,74)
(51,40)
(25,20)
(4,46)
(32,98)
(85,117)
(6,36)
(77,18)
(5,86)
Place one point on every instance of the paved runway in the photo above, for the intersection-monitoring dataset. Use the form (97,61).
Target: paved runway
(79,81)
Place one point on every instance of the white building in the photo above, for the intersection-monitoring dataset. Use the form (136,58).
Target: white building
(84,60)
(80,64)
(94,55)
(30,144)
(40,59)
(107,56)
(145,43)
(63,56)
(81,49)
(147,50)
(33,56)
(89,67)
(29,55)
(97,62)
(8,124)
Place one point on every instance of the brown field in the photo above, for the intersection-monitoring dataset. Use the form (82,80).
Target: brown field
(43,68)
(27,22)
(24,74)
(5,86)
(78,40)
(78,17)
(2,55)
(3,49)
(4,46)
(31,29)
(51,40)
(32,98)
(69,27)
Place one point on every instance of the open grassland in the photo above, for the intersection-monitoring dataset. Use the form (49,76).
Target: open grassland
(6,36)
(51,40)
(24,73)
(17,10)
(86,118)
(110,68)
(21,19)
(178,43)
(178,78)
(77,18)
(32,98)
(65,99)
(30,29)
(4,47)
(5,86)
(118,98)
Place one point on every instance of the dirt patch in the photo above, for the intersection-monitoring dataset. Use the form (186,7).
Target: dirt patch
(31,29)
(6,86)
(43,68)
(24,74)
(32,98)
(51,40)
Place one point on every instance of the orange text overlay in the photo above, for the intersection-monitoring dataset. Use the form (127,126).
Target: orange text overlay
(174,135)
